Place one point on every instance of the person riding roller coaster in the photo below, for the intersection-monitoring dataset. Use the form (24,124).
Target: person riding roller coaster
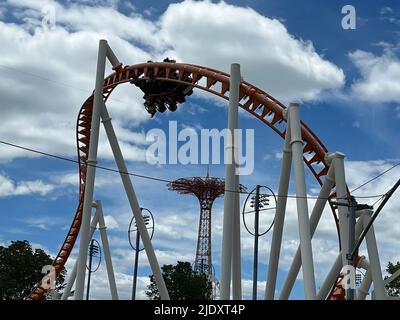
(160,95)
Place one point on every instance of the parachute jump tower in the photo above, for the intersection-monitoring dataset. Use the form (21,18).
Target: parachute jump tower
(206,191)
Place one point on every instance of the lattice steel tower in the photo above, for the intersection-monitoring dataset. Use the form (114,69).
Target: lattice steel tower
(206,190)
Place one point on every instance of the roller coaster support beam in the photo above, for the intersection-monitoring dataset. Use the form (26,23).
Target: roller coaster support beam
(387,281)
(236,253)
(362,292)
(107,254)
(330,278)
(335,269)
(366,282)
(72,277)
(344,213)
(91,170)
(301,200)
(350,293)
(130,192)
(279,216)
(393,277)
(314,220)
(373,256)
(97,219)
(229,241)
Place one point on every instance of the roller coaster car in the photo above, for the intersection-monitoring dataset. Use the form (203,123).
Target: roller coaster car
(160,94)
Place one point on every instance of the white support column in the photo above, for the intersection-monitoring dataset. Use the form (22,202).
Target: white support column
(91,171)
(330,278)
(230,173)
(113,58)
(373,257)
(67,290)
(362,292)
(337,266)
(279,215)
(134,204)
(236,252)
(393,277)
(314,220)
(301,200)
(107,254)
(344,214)
(71,280)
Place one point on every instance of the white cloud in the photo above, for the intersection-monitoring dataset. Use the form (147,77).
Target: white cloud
(106,179)
(385,10)
(149,12)
(45,222)
(8,187)
(107,3)
(278,155)
(65,63)
(39,66)
(267,157)
(389,15)
(110,222)
(68,178)
(380,76)
(270,57)
(247,289)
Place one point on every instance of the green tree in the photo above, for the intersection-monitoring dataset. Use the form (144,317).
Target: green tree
(394,286)
(21,270)
(182,283)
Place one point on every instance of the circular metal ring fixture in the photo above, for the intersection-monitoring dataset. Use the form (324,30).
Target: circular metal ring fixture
(148,220)
(270,209)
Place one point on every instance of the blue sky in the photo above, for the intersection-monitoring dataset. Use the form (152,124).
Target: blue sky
(347,82)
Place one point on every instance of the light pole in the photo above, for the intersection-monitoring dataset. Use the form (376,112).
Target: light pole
(352,248)
(258,202)
(133,228)
(94,249)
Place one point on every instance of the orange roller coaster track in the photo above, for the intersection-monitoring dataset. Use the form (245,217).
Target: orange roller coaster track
(252,99)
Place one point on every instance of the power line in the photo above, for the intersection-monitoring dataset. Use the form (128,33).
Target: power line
(43,78)
(375,215)
(60,83)
(380,199)
(161,179)
(78,162)
(374,178)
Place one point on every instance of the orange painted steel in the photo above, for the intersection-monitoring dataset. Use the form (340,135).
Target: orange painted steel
(252,99)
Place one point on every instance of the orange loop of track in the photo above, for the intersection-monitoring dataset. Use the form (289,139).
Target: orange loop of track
(252,99)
